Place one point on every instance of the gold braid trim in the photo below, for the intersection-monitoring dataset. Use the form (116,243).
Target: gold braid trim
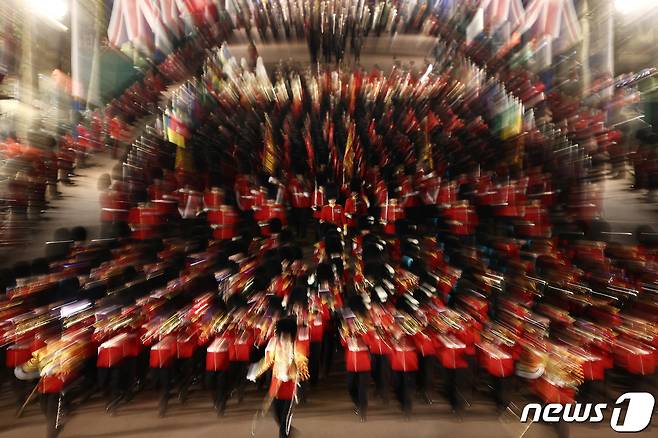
(301,363)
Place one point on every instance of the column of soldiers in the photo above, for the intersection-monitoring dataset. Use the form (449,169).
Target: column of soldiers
(331,28)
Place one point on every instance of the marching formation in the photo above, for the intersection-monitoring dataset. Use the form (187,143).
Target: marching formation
(392,224)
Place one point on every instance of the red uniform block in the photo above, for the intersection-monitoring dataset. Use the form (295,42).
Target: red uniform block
(403,357)
(145,221)
(213,199)
(112,351)
(241,347)
(282,390)
(357,356)
(333,214)
(551,392)
(318,202)
(317,329)
(186,345)
(114,208)
(424,344)
(494,360)
(461,218)
(594,368)
(56,383)
(163,353)
(223,221)
(389,214)
(378,344)
(217,355)
(299,196)
(18,354)
(451,352)
(244,193)
(634,357)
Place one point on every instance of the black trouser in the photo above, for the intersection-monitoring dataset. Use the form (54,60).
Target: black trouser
(319,228)
(300,220)
(454,381)
(282,415)
(51,405)
(357,386)
(163,378)
(426,373)
(501,391)
(403,382)
(187,369)
(217,383)
(237,375)
(314,362)
(328,347)
(380,373)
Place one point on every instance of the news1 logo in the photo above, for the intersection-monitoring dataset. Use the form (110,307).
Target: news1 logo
(637,418)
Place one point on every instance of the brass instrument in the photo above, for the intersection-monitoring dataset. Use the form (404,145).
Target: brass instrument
(564,366)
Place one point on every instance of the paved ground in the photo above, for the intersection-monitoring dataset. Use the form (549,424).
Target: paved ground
(78,205)
(625,208)
(327,414)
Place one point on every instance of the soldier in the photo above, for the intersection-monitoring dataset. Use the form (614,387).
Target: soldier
(332,213)
(300,201)
(289,367)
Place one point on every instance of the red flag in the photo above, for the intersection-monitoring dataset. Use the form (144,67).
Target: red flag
(310,154)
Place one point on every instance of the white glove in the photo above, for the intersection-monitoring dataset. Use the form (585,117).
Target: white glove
(251,374)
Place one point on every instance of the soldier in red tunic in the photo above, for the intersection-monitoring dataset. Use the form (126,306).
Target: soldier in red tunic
(300,202)
(391,212)
(404,364)
(332,213)
(317,202)
(244,192)
(357,356)
(269,210)
(356,205)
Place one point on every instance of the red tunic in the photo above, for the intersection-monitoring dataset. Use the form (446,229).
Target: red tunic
(357,356)
(403,356)
(390,213)
(268,212)
(223,222)
(243,193)
(333,215)
(299,196)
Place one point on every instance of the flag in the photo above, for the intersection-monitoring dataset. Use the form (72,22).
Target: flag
(128,25)
(82,48)
(552,18)
(348,157)
(147,24)
(310,153)
(476,26)
(171,17)
(429,123)
(176,129)
(269,152)
(333,151)
(499,12)
(150,9)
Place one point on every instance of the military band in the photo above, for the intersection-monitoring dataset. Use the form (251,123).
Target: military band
(429,266)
